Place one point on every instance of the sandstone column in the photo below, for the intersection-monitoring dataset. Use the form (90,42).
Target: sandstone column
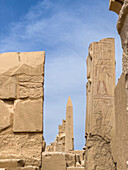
(121,90)
(100,104)
(69,137)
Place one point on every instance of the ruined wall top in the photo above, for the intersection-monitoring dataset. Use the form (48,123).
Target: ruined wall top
(115,5)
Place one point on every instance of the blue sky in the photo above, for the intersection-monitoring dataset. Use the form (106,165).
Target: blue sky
(64,30)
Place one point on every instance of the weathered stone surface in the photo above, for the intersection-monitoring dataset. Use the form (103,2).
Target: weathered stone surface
(69,136)
(98,154)
(115,5)
(28,116)
(4,116)
(15,60)
(57,160)
(33,58)
(70,159)
(75,168)
(81,154)
(53,161)
(121,121)
(100,116)
(21,106)
(122,26)
(119,142)
(100,89)
(26,147)
(28,70)
(8,88)
(24,168)
(8,163)
(30,90)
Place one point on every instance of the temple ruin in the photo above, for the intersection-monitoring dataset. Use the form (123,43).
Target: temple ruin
(22,144)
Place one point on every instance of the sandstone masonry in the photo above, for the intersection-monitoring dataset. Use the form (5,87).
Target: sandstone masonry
(21,107)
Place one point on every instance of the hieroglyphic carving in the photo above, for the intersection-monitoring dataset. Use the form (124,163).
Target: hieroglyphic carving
(100,88)
(100,105)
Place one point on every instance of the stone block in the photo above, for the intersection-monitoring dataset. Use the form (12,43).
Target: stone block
(28,70)
(75,168)
(11,61)
(8,87)
(26,147)
(4,116)
(70,159)
(8,61)
(28,116)
(115,5)
(7,163)
(30,90)
(24,168)
(53,161)
(33,58)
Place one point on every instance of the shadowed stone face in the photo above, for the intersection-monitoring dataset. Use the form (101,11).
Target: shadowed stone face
(115,5)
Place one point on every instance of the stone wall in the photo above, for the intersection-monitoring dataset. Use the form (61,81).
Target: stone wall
(121,131)
(21,106)
(120,144)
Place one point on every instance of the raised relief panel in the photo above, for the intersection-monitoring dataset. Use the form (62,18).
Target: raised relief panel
(103,87)
(100,91)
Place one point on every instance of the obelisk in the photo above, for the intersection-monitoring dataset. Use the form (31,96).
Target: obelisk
(69,137)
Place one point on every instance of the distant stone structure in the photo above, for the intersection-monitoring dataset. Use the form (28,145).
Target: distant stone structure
(64,141)
(61,155)
(59,144)
(100,104)
(69,136)
(21,109)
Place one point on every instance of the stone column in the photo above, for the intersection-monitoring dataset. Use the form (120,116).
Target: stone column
(69,136)
(121,92)
(100,104)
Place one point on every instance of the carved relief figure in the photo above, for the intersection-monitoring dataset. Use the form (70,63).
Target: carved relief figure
(101,73)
